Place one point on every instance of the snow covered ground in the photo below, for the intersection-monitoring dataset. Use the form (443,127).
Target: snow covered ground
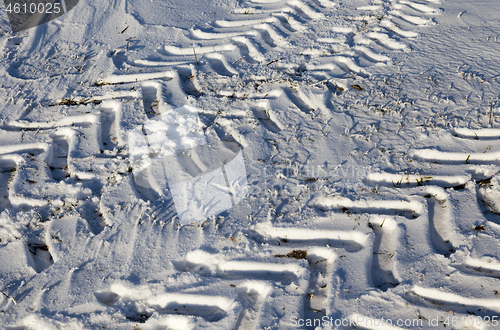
(367,131)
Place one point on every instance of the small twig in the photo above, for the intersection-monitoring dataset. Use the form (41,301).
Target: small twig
(487,80)
(237,60)
(196,58)
(125,29)
(274,61)
(491,111)
(315,310)
(9,297)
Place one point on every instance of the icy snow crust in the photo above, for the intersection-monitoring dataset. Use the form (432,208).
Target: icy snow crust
(368,133)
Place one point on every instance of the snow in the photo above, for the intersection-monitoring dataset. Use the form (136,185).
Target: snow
(251,164)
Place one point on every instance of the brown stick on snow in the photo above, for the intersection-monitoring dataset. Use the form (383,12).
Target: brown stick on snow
(274,61)
(194,52)
(491,111)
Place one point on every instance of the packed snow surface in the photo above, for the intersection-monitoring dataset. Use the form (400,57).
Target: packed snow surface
(252,164)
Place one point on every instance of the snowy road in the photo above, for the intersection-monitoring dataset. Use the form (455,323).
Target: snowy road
(368,135)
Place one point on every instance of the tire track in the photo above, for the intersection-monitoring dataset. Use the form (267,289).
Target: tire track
(481,267)
(130,78)
(443,238)
(438,205)
(454,158)
(11,166)
(383,270)
(220,65)
(151,99)
(59,156)
(110,125)
(217,266)
(465,305)
(221,47)
(255,273)
(209,307)
(485,194)
(409,209)
(8,168)
(262,111)
(320,259)
(78,121)
(188,78)
(252,295)
(290,269)
(276,21)
(317,299)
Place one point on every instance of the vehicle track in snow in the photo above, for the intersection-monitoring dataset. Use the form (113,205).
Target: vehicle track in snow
(228,59)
